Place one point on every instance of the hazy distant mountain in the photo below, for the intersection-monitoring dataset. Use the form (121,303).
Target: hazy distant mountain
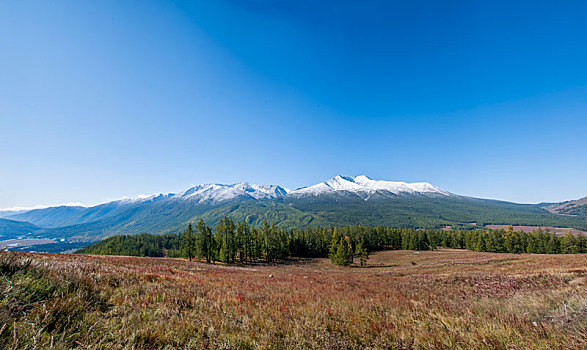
(11,229)
(47,217)
(8,212)
(342,200)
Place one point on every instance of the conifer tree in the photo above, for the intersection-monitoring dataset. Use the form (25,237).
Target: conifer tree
(205,243)
(188,242)
(333,245)
(552,246)
(342,257)
(361,253)
(582,243)
(569,244)
(225,233)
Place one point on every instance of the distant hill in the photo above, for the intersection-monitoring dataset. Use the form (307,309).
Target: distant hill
(339,201)
(47,217)
(11,228)
(576,208)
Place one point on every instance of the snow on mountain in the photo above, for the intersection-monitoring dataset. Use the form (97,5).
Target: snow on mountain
(144,198)
(364,187)
(220,193)
(361,186)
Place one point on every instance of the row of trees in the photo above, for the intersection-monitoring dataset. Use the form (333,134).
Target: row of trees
(510,241)
(235,242)
(239,242)
(137,245)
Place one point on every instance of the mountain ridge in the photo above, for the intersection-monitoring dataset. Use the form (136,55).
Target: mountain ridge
(363,186)
(338,201)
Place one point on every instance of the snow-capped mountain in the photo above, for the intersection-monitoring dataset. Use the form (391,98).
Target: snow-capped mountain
(361,186)
(217,193)
(339,201)
(364,187)
(211,194)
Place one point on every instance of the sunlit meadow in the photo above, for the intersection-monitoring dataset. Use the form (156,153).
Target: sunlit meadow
(404,300)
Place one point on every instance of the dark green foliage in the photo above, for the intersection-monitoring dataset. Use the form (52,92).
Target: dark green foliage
(570,245)
(361,253)
(415,212)
(239,242)
(226,240)
(188,242)
(162,217)
(343,256)
(137,245)
(204,242)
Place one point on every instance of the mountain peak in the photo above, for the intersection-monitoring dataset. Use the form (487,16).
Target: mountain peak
(364,187)
(221,192)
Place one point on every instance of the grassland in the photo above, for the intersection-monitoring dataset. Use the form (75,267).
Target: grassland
(446,299)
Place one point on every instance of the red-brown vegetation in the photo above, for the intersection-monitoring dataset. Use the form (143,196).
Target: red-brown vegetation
(430,300)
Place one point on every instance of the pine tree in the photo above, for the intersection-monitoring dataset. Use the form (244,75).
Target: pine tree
(242,241)
(333,245)
(361,253)
(553,246)
(231,239)
(188,243)
(569,244)
(226,240)
(205,243)
(532,247)
(257,244)
(480,246)
(342,257)
(582,243)
(267,243)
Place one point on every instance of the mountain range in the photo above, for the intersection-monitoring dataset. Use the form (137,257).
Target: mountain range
(341,200)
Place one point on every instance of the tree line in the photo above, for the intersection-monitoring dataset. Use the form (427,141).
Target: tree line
(238,242)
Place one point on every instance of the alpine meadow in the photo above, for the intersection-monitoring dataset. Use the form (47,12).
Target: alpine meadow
(293,174)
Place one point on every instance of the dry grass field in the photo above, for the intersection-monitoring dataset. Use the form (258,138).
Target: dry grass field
(445,299)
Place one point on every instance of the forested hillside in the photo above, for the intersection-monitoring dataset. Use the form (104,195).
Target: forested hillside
(410,212)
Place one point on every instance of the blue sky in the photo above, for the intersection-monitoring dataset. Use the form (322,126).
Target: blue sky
(105,99)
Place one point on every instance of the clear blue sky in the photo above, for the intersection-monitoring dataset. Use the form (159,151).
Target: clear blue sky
(104,99)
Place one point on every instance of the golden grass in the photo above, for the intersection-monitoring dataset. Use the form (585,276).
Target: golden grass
(446,299)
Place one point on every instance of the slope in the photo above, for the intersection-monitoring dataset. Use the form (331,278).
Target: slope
(48,217)
(11,229)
